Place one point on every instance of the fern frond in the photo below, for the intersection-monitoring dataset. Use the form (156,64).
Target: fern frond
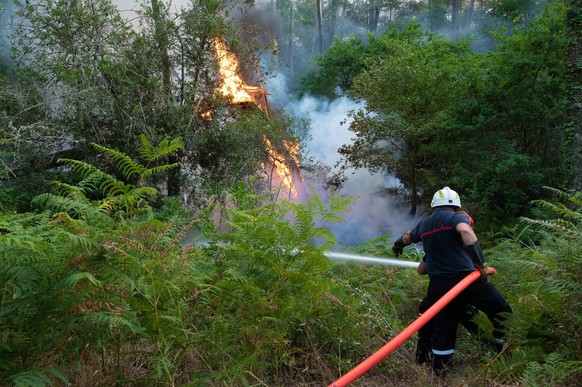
(527,264)
(159,169)
(164,366)
(554,370)
(171,319)
(339,204)
(552,226)
(72,279)
(557,209)
(64,189)
(112,321)
(37,377)
(126,164)
(164,149)
(516,361)
(82,168)
(111,187)
(559,286)
(325,234)
(132,198)
(146,148)
(49,201)
(75,208)
(315,203)
(107,206)
(575,198)
(332,218)
(303,223)
(93,177)
(69,230)
(16,223)
(87,244)
(18,242)
(30,238)
(91,182)
(22,279)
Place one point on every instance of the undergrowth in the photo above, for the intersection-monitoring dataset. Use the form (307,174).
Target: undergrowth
(96,289)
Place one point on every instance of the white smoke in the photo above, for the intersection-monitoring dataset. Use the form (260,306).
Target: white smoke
(373,213)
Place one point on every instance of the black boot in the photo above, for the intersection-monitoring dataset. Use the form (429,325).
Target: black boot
(442,363)
(424,345)
(423,357)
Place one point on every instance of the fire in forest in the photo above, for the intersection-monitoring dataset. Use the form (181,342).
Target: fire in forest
(283,170)
(232,85)
(234,88)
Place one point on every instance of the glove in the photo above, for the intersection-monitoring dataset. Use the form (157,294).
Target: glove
(397,250)
(398,247)
(484,272)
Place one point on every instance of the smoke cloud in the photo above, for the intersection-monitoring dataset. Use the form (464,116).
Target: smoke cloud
(374,213)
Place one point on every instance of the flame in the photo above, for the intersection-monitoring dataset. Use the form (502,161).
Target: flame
(282,168)
(205,115)
(293,149)
(233,86)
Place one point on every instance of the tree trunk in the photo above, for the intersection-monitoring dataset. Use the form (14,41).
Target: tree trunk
(290,37)
(279,40)
(162,40)
(173,185)
(456,10)
(430,17)
(320,25)
(574,32)
(373,15)
(469,18)
(332,21)
(414,190)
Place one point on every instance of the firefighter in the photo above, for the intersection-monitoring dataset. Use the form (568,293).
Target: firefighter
(423,343)
(452,251)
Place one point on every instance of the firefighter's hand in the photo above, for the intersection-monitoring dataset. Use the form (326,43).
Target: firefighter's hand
(399,245)
(484,270)
(397,250)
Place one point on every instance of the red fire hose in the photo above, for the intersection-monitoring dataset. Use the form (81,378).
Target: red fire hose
(380,354)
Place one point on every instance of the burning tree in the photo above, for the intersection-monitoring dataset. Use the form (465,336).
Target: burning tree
(281,166)
(107,83)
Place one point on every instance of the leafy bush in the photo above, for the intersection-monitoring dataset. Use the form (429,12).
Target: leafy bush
(543,261)
(73,280)
(271,298)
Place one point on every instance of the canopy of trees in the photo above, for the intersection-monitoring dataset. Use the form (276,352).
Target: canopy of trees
(490,124)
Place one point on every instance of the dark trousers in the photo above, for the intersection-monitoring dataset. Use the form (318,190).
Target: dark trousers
(424,341)
(442,329)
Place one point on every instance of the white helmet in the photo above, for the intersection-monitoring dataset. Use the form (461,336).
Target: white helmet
(446,197)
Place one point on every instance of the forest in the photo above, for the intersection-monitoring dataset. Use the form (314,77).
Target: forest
(174,175)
